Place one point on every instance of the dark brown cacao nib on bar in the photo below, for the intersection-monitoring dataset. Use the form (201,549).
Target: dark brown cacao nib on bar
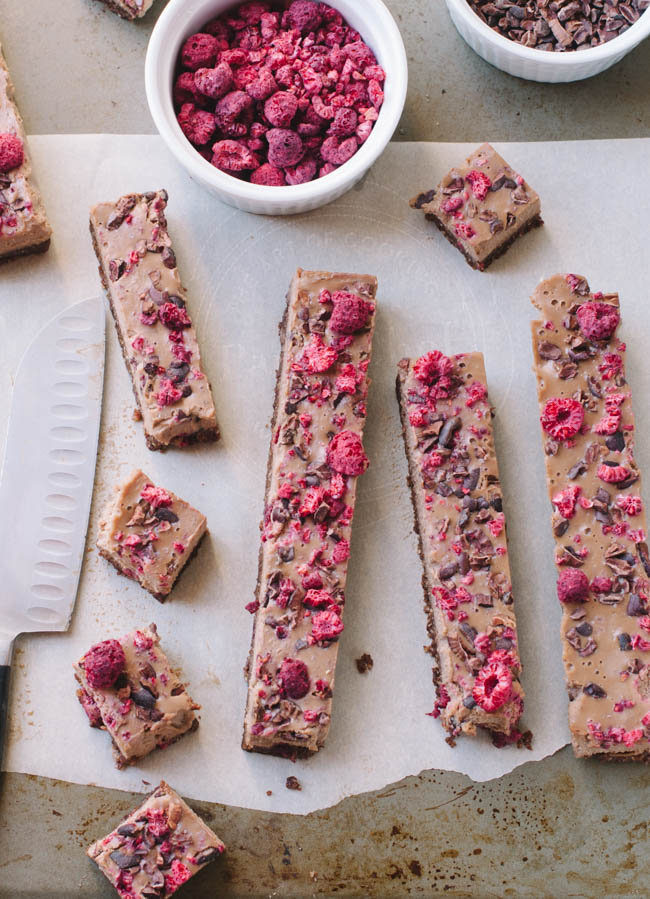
(157,848)
(315,458)
(559,25)
(482,206)
(456,494)
(598,518)
(137,266)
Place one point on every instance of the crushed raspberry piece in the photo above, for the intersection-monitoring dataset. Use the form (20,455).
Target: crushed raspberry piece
(419,417)
(638,642)
(326,626)
(103,663)
(214,83)
(602,585)
(598,321)
(562,418)
(252,606)
(337,486)
(434,369)
(179,875)
(464,230)
(199,51)
(631,505)
(480,184)
(174,317)
(167,394)
(566,500)
(293,677)
(341,551)
(155,496)
(577,284)
(312,581)
(157,822)
(609,424)
(572,586)
(90,707)
(475,393)
(452,204)
(12,153)
(611,365)
(613,474)
(317,599)
(493,686)
(179,547)
(317,356)
(345,454)
(231,156)
(351,312)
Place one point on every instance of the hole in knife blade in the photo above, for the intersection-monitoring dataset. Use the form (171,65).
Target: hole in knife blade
(63,478)
(66,456)
(68,410)
(56,547)
(56,523)
(68,433)
(71,366)
(75,323)
(69,344)
(43,616)
(47,591)
(69,389)
(61,501)
(53,569)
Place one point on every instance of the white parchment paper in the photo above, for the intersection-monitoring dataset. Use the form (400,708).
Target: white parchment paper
(237,268)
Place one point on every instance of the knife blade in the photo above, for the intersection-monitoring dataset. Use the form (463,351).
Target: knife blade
(47,477)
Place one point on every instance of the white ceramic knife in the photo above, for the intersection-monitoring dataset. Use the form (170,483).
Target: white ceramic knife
(47,478)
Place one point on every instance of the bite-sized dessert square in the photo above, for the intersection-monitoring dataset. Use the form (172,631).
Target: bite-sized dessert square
(137,266)
(157,848)
(129,9)
(128,688)
(149,534)
(24,227)
(481,206)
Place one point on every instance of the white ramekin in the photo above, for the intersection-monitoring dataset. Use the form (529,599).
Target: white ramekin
(540,65)
(180,19)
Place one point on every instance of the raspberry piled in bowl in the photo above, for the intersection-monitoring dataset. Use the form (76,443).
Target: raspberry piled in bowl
(277,94)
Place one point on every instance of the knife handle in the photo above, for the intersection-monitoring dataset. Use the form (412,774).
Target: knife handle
(6,652)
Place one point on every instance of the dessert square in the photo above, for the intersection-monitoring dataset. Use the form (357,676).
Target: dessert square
(24,227)
(138,269)
(128,688)
(157,848)
(315,460)
(481,206)
(129,9)
(457,500)
(149,534)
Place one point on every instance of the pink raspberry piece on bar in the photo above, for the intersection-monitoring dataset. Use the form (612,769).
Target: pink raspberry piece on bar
(293,677)
(598,321)
(346,455)
(103,663)
(493,686)
(572,586)
(12,152)
(480,184)
(351,312)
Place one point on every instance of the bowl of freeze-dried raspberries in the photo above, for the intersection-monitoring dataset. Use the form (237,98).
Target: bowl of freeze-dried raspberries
(276,106)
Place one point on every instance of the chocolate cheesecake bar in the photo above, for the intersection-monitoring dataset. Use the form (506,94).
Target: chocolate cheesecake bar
(157,848)
(456,494)
(129,9)
(128,688)
(481,206)
(138,269)
(149,534)
(598,519)
(24,227)
(315,458)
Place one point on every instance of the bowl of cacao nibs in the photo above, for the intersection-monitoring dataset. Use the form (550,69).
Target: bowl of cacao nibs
(552,40)
(276,106)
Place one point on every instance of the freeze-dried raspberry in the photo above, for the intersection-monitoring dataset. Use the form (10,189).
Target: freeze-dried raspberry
(464,230)
(572,586)
(214,83)
(375,93)
(157,497)
(90,707)
(341,551)
(103,663)
(197,124)
(613,474)
(475,393)
(609,424)
(285,147)
(345,454)
(199,51)
(234,106)
(562,418)
(577,285)
(631,505)
(493,686)
(12,152)
(360,54)
(174,317)
(317,356)
(178,875)
(185,89)
(263,85)
(293,677)
(280,108)
(452,204)
(167,393)
(344,124)
(338,152)
(253,11)
(315,598)
(434,368)
(231,156)
(268,174)
(351,312)
(480,183)
(611,365)
(598,321)
(602,585)
(304,16)
(326,626)
(566,500)
(303,172)
(157,823)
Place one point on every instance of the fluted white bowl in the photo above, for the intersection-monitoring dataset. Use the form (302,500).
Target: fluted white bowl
(540,65)
(180,19)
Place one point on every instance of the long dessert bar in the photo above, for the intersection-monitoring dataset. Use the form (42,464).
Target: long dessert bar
(315,457)
(138,269)
(598,518)
(157,848)
(456,494)
(24,227)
